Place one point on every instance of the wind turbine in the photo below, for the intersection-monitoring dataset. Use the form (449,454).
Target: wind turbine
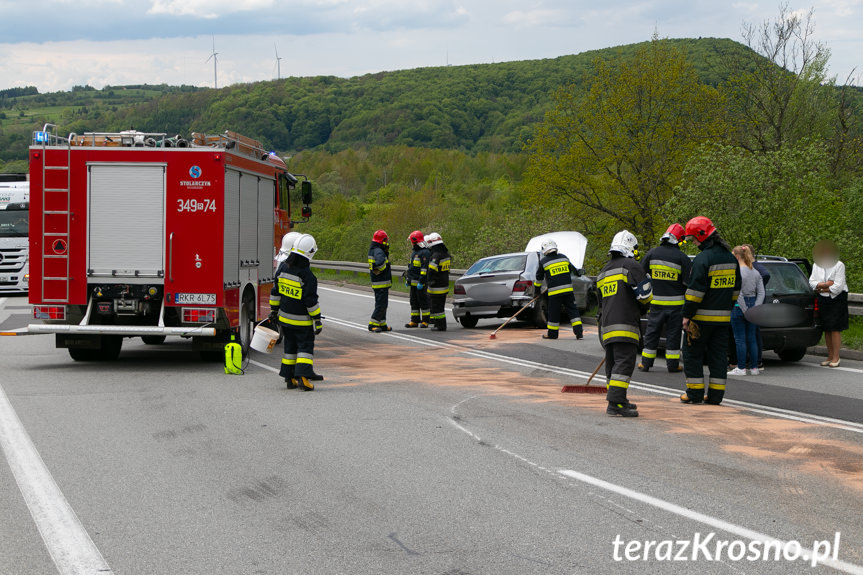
(278,62)
(215,58)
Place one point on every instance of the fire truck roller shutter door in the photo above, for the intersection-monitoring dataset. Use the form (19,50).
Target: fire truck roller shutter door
(126,214)
(232,227)
(248,218)
(266,228)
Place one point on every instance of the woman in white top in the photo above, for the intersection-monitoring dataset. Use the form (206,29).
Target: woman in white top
(828,281)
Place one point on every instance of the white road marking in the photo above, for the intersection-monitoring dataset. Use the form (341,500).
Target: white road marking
(745,406)
(71,548)
(400,300)
(644,498)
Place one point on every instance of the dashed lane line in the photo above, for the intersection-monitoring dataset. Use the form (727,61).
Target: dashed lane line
(66,539)
(644,498)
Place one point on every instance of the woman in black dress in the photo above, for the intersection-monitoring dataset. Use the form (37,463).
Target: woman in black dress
(828,281)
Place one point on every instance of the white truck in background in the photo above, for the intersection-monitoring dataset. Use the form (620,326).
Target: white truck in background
(14,226)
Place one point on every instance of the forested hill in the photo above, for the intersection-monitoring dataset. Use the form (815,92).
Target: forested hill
(488,107)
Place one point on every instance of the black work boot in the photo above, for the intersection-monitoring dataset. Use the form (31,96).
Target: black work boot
(316,377)
(621,410)
(549,335)
(291,383)
(412,324)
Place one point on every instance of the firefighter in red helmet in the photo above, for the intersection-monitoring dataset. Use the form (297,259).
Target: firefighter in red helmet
(714,285)
(669,269)
(417,278)
(382,280)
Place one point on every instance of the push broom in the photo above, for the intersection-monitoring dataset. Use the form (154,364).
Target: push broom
(494,333)
(586,388)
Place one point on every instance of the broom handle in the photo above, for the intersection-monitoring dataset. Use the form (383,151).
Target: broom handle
(595,371)
(516,313)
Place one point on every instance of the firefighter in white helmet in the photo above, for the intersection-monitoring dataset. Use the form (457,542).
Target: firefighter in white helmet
(559,287)
(438,280)
(294,301)
(287,243)
(624,290)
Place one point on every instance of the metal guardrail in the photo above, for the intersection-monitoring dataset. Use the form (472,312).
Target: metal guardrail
(855,300)
(359,268)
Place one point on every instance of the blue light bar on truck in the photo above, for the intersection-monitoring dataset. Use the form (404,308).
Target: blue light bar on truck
(40,136)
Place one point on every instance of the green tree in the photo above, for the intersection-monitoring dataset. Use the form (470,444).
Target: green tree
(618,149)
(779,201)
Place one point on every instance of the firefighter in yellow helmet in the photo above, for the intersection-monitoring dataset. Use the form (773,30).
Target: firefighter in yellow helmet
(624,291)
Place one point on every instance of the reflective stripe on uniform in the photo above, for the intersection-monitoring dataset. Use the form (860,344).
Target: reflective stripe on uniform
(575,322)
(621,330)
(553,326)
(669,354)
(695,383)
(649,353)
(289,359)
(275,302)
(614,274)
(439,291)
(557,291)
(438,315)
(618,380)
(305,358)
(667,300)
(718,384)
(292,319)
(380,285)
(713,315)
(315,310)
(694,295)
(662,264)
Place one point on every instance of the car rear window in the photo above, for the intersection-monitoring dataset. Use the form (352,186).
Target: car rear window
(786,279)
(498,264)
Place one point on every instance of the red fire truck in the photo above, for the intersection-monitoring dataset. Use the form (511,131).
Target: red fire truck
(139,235)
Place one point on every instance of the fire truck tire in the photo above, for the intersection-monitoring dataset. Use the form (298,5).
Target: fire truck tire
(153,339)
(111,346)
(78,354)
(247,320)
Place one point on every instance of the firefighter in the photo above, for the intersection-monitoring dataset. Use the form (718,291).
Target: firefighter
(382,280)
(560,293)
(287,243)
(417,277)
(438,282)
(669,269)
(625,290)
(294,301)
(713,289)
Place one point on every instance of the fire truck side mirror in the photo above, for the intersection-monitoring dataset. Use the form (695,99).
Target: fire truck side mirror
(307,211)
(306,192)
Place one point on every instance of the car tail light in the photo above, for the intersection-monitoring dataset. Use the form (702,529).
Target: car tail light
(49,312)
(199,315)
(521,286)
(815,309)
(459,290)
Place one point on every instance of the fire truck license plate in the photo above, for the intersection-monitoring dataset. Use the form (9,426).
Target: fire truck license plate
(195,298)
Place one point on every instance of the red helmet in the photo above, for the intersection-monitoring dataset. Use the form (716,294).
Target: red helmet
(416,237)
(675,231)
(700,228)
(381,237)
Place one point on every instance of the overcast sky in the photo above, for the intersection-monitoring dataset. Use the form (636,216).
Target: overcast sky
(57,44)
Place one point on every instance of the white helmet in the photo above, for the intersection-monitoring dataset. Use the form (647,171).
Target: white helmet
(305,246)
(624,243)
(548,246)
(287,243)
(433,239)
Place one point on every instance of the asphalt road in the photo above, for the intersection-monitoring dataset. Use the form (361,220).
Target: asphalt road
(421,453)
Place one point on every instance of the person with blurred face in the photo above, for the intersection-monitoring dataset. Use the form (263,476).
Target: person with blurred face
(828,281)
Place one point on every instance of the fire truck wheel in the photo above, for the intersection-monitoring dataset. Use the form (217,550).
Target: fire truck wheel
(247,320)
(79,354)
(153,339)
(111,346)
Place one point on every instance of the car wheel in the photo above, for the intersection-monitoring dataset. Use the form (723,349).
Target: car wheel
(468,321)
(791,354)
(540,313)
(81,354)
(153,339)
